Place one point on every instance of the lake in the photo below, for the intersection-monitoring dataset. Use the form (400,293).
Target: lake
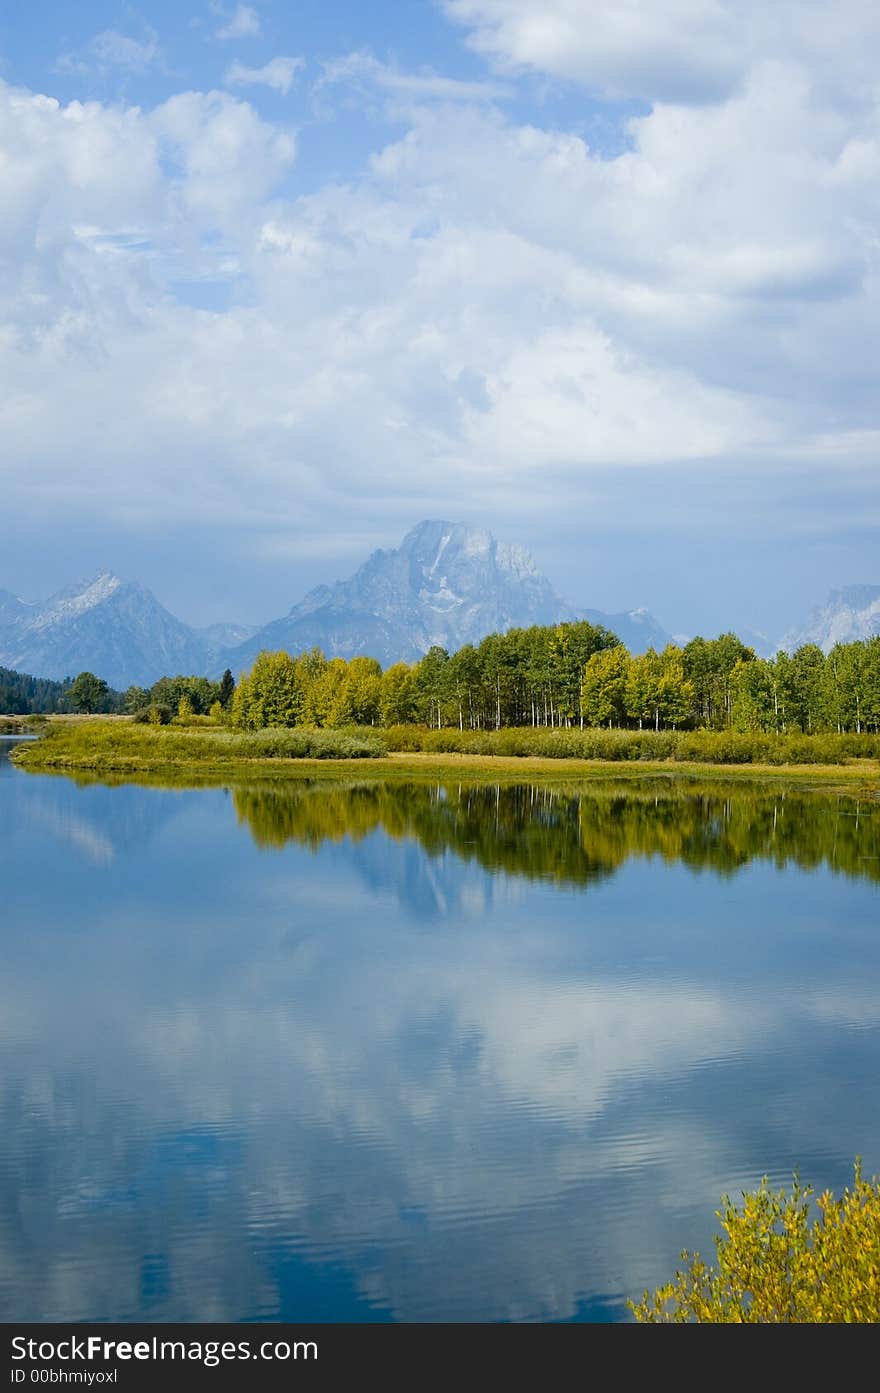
(370,1052)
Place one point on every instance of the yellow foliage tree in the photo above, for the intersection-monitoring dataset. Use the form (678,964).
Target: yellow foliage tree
(776,1266)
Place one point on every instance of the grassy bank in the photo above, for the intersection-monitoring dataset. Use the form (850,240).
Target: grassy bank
(21,725)
(121,745)
(118,749)
(686,747)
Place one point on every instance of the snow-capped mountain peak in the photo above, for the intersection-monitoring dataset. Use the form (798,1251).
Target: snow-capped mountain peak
(76,600)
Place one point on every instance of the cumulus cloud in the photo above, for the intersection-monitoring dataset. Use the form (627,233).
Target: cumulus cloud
(673,50)
(243,23)
(278,73)
(491,310)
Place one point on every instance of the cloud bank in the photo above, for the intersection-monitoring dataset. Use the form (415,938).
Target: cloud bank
(489,315)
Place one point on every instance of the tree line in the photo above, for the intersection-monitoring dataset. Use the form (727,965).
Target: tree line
(572,675)
(554,677)
(23,695)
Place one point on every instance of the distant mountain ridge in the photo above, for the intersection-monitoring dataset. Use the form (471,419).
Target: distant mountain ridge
(848,614)
(446,584)
(115,628)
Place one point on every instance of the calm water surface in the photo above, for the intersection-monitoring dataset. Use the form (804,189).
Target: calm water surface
(324,1052)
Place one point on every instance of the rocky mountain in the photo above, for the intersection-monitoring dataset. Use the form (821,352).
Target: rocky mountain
(446,584)
(848,614)
(112,627)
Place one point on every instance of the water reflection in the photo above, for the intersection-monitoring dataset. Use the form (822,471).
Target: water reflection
(367,1052)
(579,835)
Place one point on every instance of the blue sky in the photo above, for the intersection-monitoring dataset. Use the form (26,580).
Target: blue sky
(278,281)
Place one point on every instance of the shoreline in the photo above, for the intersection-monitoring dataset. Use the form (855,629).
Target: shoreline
(857,777)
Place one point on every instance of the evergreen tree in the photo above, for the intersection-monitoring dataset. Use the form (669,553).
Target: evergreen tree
(226,689)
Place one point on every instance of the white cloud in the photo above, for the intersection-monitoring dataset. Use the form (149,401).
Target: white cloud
(675,50)
(110,49)
(243,23)
(490,312)
(279,74)
(363,68)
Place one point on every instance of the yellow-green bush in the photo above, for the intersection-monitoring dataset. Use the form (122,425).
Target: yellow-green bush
(697,746)
(777,1265)
(128,745)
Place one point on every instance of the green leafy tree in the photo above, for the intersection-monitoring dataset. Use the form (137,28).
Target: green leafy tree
(806,688)
(356,700)
(431,685)
(198,690)
(396,695)
(135,699)
(323,699)
(270,694)
(775,1266)
(464,678)
(871,683)
(709,664)
(753,705)
(643,691)
(87,693)
(570,647)
(675,691)
(603,691)
(846,697)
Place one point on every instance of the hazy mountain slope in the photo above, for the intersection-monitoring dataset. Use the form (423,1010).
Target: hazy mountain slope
(217,638)
(13,611)
(635,628)
(848,614)
(114,628)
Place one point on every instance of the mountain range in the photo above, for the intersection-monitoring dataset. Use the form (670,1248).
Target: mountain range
(446,584)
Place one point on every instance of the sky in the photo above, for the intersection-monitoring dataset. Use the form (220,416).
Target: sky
(277,281)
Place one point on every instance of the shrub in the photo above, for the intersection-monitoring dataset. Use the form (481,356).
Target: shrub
(775,1266)
(698,746)
(306,742)
(132,744)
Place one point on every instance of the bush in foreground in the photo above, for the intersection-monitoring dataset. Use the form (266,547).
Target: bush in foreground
(776,1266)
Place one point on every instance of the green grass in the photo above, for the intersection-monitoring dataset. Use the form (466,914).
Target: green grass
(122,745)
